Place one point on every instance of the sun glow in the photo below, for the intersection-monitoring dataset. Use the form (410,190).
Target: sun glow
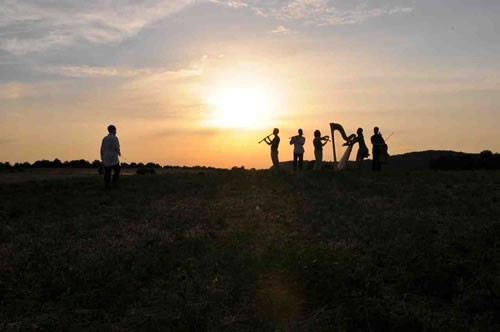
(240,107)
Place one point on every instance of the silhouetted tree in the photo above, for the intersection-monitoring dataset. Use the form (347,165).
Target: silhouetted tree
(152,165)
(42,164)
(5,166)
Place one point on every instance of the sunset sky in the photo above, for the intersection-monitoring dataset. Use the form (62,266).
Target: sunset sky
(200,82)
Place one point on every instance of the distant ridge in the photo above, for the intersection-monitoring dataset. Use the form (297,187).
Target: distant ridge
(420,159)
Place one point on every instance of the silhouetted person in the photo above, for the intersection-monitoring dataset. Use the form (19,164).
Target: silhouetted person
(319,142)
(362,148)
(298,149)
(378,150)
(110,151)
(274,143)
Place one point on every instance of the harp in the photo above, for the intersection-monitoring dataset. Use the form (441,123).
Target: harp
(349,142)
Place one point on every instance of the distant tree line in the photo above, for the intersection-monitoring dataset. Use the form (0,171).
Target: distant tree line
(56,163)
(466,161)
(450,161)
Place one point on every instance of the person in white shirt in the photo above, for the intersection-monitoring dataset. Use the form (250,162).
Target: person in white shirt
(110,151)
(298,149)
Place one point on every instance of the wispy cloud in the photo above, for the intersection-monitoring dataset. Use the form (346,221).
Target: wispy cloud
(31,25)
(157,81)
(12,91)
(19,90)
(231,3)
(94,72)
(280,29)
(319,12)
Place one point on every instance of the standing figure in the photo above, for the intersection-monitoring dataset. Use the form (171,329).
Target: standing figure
(362,150)
(319,142)
(274,143)
(110,150)
(298,149)
(379,149)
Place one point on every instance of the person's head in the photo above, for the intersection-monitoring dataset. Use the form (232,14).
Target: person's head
(376,130)
(360,131)
(301,132)
(111,129)
(317,133)
(276,131)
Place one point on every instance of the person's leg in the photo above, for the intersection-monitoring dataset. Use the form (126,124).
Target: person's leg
(374,161)
(318,156)
(358,156)
(294,162)
(301,160)
(107,176)
(116,173)
(274,158)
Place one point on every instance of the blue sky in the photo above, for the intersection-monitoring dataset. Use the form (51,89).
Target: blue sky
(427,70)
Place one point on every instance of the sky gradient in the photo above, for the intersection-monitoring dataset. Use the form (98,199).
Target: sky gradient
(164,72)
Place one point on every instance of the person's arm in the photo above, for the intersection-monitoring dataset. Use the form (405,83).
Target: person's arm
(292,140)
(118,147)
(267,140)
(303,140)
(102,150)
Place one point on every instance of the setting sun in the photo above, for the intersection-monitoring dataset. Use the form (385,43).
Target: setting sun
(239,107)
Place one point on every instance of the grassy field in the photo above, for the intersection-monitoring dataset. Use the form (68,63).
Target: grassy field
(252,250)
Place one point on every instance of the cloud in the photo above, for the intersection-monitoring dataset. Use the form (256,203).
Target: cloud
(32,25)
(192,69)
(12,91)
(280,29)
(231,3)
(156,81)
(94,72)
(319,12)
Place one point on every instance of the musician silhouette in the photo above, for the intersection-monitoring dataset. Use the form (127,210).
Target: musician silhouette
(319,142)
(298,149)
(379,149)
(362,149)
(274,143)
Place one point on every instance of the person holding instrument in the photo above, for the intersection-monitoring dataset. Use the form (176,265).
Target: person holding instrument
(319,142)
(298,149)
(379,149)
(363,149)
(274,143)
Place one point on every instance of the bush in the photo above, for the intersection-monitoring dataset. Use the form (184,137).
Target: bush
(145,171)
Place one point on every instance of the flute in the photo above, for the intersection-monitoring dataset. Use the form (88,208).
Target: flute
(262,140)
